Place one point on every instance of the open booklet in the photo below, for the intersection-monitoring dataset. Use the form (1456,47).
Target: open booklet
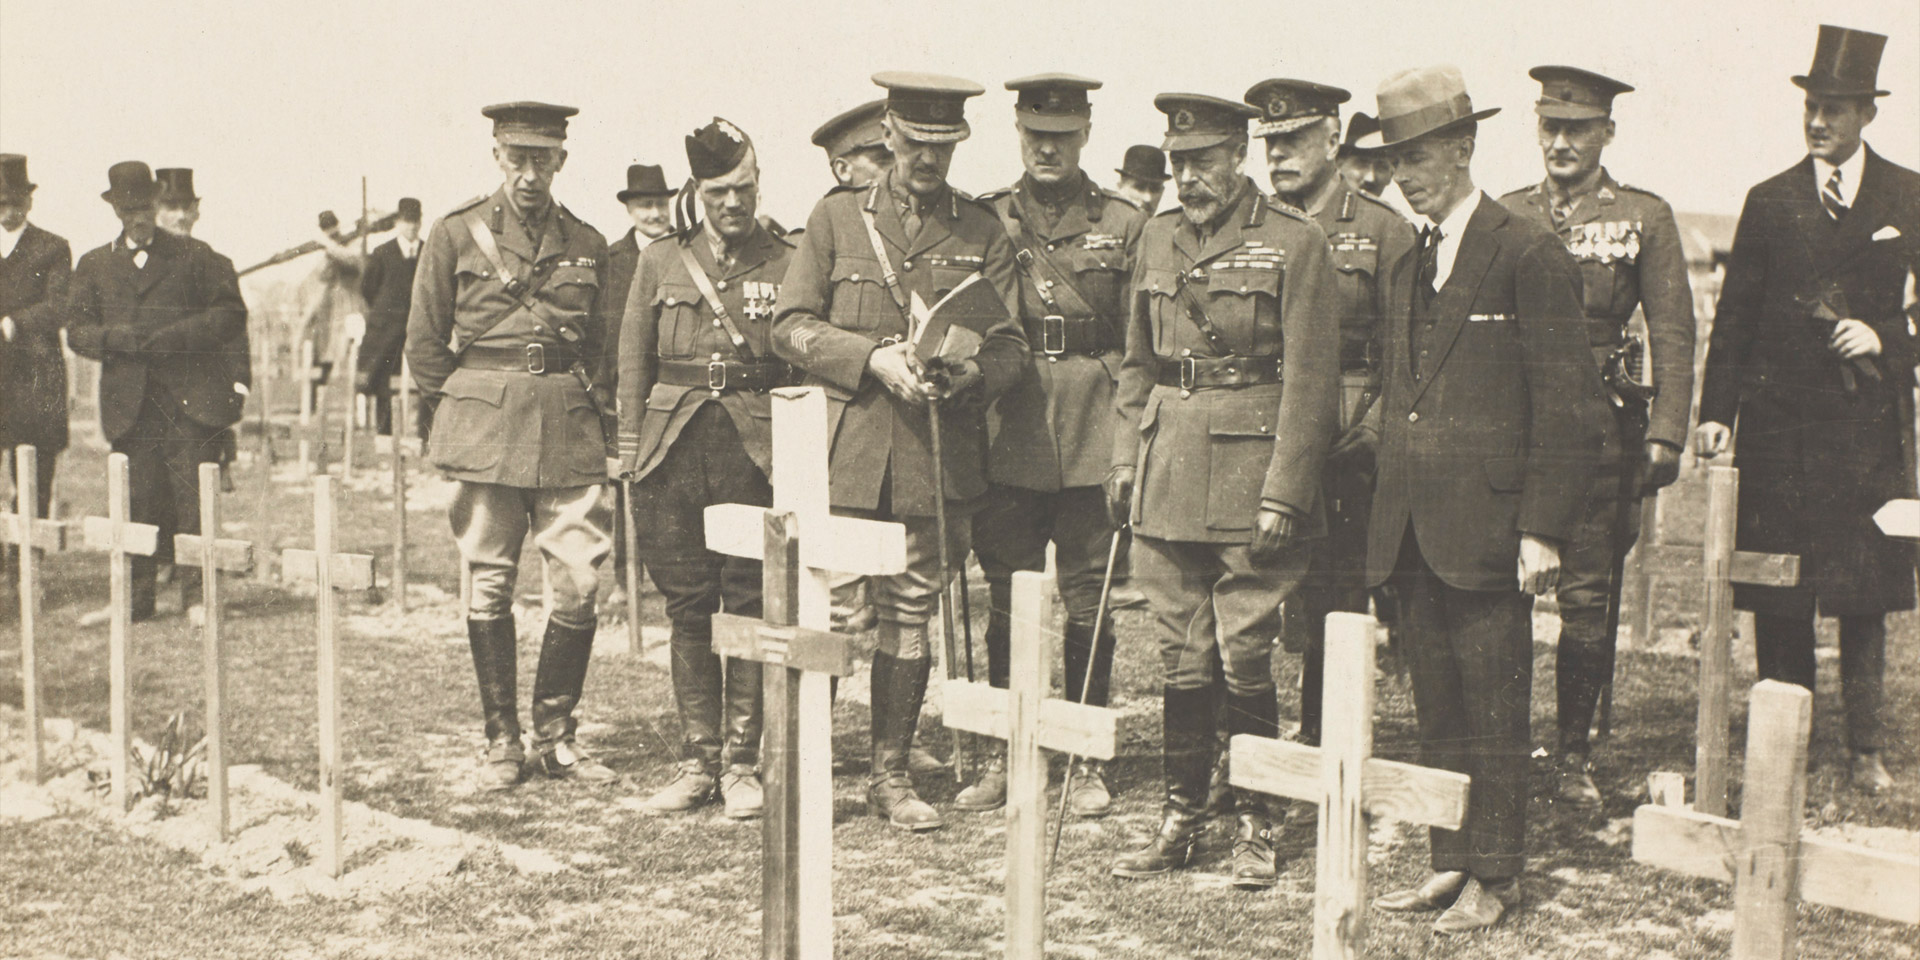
(951,330)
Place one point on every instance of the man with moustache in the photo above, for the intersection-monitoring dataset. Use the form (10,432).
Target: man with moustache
(696,430)
(505,337)
(843,319)
(387,287)
(649,204)
(1231,381)
(1493,421)
(1051,435)
(161,313)
(1300,122)
(1813,358)
(1143,176)
(856,144)
(1628,248)
(35,267)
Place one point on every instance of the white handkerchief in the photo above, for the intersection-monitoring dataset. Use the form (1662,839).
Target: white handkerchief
(1887,232)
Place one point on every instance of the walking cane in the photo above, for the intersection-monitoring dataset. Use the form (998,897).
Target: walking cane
(946,590)
(1086,685)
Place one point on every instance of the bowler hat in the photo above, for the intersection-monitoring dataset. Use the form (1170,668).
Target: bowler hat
(13,177)
(645,180)
(129,183)
(176,184)
(1144,161)
(1846,63)
(409,210)
(1423,101)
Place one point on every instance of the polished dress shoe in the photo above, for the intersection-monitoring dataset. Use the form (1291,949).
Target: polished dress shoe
(1440,890)
(1479,906)
(1573,781)
(1091,797)
(692,786)
(1868,775)
(1170,849)
(989,792)
(504,766)
(741,792)
(566,761)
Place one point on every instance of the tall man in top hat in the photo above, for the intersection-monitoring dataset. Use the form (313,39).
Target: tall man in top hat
(1812,355)
(387,286)
(856,144)
(695,430)
(1300,121)
(1052,434)
(1143,176)
(1493,421)
(649,204)
(505,336)
(1628,249)
(34,269)
(177,211)
(161,313)
(842,318)
(1232,380)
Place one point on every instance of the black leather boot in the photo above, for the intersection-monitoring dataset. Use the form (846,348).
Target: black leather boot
(898,687)
(492,644)
(1255,828)
(740,786)
(1186,720)
(564,653)
(695,673)
(1077,647)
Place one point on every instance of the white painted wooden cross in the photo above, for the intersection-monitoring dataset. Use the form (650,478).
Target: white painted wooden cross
(1763,854)
(25,531)
(213,555)
(123,540)
(800,545)
(340,571)
(1349,784)
(401,423)
(1028,720)
(1899,518)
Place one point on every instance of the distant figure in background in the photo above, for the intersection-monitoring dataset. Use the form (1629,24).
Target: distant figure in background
(159,312)
(387,287)
(856,144)
(333,311)
(1143,177)
(1368,171)
(1812,356)
(176,211)
(34,268)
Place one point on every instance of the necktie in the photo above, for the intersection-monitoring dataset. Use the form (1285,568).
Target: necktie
(910,219)
(1561,211)
(1429,262)
(1830,196)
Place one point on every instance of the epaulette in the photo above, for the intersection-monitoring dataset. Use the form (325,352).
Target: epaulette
(992,195)
(841,188)
(1117,195)
(1639,190)
(1170,211)
(470,204)
(1281,206)
(1516,194)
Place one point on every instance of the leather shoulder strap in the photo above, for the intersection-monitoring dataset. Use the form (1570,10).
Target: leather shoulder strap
(707,293)
(891,279)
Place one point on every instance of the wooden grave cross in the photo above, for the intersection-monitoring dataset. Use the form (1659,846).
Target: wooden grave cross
(1028,720)
(24,530)
(123,540)
(1763,854)
(800,544)
(341,571)
(312,430)
(401,426)
(1899,519)
(214,555)
(1349,784)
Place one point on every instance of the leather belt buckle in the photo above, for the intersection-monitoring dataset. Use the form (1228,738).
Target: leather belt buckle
(1189,371)
(515,286)
(716,375)
(536,358)
(1053,335)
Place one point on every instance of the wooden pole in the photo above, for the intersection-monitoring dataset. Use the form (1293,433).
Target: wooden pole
(330,808)
(26,486)
(1637,586)
(1710,751)
(1766,868)
(624,500)
(263,377)
(119,669)
(216,680)
(351,411)
(307,387)
(402,425)
(1346,742)
(1027,770)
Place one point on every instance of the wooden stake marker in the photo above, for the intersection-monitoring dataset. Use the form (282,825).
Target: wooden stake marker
(122,539)
(1770,865)
(800,544)
(1028,720)
(343,571)
(1350,786)
(32,536)
(402,426)
(213,556)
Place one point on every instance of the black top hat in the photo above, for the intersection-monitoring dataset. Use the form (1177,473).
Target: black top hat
(645,180)
(176,184)
(1846,63)
(130,183)
(409,210)
(1144,162)
(13,176)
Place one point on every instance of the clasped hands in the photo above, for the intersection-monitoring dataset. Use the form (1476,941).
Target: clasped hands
(906,376)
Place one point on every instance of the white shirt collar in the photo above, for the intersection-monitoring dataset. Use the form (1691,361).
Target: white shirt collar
(1451,230)
(10,239)
(408,248)
(1850,173)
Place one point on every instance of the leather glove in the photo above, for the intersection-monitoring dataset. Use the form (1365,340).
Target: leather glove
(1119,487)
(1272,534)
(1661,468)
(953,380)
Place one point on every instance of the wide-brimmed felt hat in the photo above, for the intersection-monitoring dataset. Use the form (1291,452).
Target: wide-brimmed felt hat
(1360,126)
(130,183)
(1846,63)
(1422,102)
(13,177)
(1145,161)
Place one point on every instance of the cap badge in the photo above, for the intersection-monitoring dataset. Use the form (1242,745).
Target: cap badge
(1183,119)
(1053,99)
(732,132)
(937,110)
(1277,108)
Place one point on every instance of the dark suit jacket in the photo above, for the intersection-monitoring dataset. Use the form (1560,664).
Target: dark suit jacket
(170,324)
(623,259)
(1815,460)
(387,286)
(33,376)
(1498,429)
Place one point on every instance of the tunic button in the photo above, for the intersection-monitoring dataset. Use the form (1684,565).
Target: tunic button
(1185,394)
(1186,351)
(1050,246)
(1413,417)
(1053,359)
(855,278)
(720,285)
(716,321)
(716,356)
(906,265)
(1263,428)
(1243,288)
(671,301)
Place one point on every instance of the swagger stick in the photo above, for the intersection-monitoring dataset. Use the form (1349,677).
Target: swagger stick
(1086,685)
(946,590)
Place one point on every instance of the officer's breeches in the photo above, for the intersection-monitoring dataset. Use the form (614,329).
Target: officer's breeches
(1014,526)
(910,598)
(569,525)
(1211,596)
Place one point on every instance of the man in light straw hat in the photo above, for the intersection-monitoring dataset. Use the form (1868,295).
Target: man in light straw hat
(1493,421)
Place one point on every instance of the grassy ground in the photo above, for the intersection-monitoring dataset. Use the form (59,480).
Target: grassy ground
(688,887)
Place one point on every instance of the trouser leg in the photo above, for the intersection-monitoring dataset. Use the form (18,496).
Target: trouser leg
(1588,597)
(1010,533)
(490,523)
(1863,668)
(1783,648)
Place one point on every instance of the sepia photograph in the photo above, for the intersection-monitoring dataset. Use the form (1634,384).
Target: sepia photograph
(1112,481)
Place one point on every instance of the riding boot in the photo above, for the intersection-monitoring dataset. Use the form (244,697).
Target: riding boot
(1254,863)
(1187,723)
(492,644)
(999,631)
(557,682)
(1079,645)
(898,687)
(740,786)
(697,694)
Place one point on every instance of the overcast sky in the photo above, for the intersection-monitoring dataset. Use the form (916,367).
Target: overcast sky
(282,107)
